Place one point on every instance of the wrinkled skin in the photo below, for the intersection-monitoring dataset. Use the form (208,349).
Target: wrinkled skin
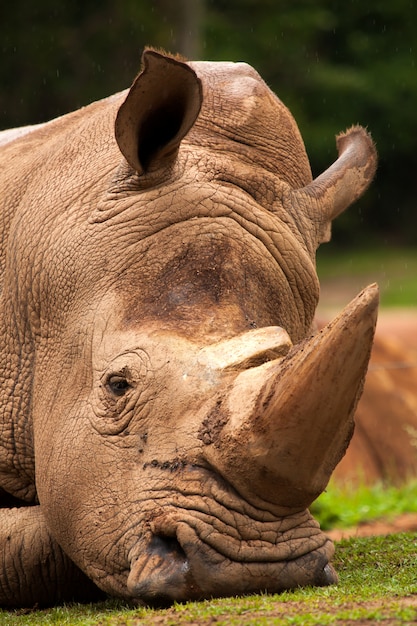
(165,422)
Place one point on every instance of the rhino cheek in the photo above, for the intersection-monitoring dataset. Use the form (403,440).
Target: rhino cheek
(81,501)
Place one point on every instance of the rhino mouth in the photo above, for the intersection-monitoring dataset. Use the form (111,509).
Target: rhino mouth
(193,553)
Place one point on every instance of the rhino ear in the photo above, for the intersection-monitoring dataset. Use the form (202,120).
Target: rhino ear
(161,107)
(342,183)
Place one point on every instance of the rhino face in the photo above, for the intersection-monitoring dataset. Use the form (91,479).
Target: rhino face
(200,415)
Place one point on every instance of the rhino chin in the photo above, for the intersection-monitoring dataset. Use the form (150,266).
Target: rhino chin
(164,574)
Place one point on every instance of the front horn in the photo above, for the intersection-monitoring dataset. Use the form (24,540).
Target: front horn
(291,419)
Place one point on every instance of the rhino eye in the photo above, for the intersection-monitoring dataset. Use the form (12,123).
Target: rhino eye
(118,384)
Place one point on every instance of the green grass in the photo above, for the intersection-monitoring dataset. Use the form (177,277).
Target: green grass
(394,269)
(342,506)
(378,581)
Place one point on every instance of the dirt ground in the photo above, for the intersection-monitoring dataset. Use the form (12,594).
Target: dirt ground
(384,445)
(379,611)
(399,324)
(407,522)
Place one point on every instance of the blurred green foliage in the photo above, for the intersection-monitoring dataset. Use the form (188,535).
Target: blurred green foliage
(333,64)
(349,505)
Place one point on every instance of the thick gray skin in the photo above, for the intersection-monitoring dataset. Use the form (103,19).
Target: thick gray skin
(115,275)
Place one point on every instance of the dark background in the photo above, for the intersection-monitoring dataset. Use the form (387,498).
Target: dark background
(333,64)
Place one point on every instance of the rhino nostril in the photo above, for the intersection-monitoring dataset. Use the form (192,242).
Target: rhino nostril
(167,547)
(161,575)
(329,576)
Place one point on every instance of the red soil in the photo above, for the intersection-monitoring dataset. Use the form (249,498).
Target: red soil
(384,445)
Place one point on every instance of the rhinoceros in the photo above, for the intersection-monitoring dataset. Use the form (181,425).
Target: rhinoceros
(168,412)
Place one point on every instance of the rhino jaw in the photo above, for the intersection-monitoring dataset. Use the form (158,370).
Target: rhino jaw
(290,420)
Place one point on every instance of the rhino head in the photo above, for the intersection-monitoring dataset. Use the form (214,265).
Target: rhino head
(185,413)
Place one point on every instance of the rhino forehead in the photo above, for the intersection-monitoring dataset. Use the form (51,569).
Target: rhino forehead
(215,276)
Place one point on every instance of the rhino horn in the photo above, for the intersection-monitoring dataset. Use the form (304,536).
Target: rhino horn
(342,183)
(160,108)
(290,420)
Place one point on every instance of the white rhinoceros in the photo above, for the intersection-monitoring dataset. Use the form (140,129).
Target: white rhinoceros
(167,415)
